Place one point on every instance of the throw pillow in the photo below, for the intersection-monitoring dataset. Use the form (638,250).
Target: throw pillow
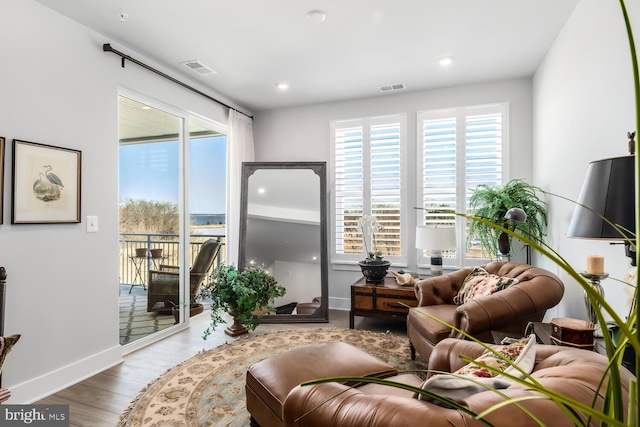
(480,283)
(457,386)
(5,346)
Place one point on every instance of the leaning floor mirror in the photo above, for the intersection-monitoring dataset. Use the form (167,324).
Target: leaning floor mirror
(283,229)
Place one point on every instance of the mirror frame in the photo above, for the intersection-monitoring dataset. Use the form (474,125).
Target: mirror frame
(320,169)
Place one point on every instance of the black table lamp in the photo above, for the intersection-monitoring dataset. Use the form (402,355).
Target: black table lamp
(609,190)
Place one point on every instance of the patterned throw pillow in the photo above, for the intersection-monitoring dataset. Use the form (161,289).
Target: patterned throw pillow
(5,346)
(457,386)
(480,283)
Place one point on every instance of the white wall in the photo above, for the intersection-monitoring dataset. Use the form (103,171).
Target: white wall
(583,109)
(59,88)
(302,134)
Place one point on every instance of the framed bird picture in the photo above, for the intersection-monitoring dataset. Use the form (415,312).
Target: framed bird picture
(46,184)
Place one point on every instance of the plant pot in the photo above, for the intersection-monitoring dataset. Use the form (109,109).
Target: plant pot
(236,328)
(503,244)
(195,309)
(156,253)
(141,252)
(374,271)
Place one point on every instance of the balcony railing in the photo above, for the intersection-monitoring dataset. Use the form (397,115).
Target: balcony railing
(135,270)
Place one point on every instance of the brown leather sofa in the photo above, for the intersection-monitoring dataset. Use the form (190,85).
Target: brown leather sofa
(509,310)
(572,372)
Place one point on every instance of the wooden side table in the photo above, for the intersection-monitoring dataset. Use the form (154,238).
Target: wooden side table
(381,301)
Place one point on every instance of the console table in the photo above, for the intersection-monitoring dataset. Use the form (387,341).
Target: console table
(381,301)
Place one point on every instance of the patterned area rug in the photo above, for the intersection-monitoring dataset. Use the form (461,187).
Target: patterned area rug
(136,322)
(208,389)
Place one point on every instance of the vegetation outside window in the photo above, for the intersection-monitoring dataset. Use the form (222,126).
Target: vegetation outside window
(459,149)
(368,176)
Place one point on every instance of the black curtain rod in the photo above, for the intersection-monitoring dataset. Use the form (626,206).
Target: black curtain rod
(107,48)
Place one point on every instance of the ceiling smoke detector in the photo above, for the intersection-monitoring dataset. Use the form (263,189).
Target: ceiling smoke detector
(389,88)
(199,67)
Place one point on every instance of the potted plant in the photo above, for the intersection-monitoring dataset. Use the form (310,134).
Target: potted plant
(195,307)
(239,293)
(374,267)
(492,203)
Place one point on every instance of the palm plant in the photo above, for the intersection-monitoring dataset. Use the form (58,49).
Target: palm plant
(492,204)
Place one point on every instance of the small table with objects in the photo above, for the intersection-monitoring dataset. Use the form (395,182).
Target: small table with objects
(138,263)
(381,300)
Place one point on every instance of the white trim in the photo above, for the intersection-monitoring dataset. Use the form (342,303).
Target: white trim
(52,382)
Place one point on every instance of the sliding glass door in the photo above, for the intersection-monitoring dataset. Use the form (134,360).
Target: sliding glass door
(172,199)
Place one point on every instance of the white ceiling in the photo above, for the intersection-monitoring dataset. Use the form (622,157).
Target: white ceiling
(361,45)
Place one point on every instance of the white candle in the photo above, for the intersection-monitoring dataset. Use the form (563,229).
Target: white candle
(595,264)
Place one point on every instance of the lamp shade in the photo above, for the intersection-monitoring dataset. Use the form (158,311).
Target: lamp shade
(608,189)
(429,237)
(516,214)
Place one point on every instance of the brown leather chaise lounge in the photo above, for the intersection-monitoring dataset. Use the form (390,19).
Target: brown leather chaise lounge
(572,372)
(509,310)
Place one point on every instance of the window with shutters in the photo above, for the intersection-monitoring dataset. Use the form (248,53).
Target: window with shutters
(458,149)
(368,174)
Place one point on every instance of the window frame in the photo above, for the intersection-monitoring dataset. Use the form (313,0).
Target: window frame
(460,258)
(340,260)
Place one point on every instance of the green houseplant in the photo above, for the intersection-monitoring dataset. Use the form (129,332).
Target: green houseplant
(239,293)
(492,203)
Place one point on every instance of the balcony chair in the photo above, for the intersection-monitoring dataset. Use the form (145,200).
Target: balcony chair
(508,311)
(163,284)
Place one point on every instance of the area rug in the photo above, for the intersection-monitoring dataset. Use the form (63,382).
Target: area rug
(136,322)
(208,389)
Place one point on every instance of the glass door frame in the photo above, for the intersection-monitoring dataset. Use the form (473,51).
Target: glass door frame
(186,119)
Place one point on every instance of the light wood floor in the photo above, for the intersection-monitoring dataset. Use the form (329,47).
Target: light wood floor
(99,400)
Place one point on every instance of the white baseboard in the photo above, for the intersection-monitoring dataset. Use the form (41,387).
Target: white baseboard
(40,387)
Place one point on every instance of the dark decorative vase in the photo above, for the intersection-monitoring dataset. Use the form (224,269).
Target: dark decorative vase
(503,244)
(374,271)
(236,328)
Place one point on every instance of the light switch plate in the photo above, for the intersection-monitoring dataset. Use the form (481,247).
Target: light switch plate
(92,224)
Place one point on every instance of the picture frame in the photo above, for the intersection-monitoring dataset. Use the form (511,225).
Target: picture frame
(46,184)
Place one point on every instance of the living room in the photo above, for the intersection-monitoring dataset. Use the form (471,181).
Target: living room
(60,88)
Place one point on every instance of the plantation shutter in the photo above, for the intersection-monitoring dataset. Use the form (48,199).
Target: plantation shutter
(367,172)
(459,150)
(348,163)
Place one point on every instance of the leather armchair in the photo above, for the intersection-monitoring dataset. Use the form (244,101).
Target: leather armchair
(572,372)
(509,310)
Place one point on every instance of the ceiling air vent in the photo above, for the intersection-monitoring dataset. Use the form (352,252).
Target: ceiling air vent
(390,88)
(198,67)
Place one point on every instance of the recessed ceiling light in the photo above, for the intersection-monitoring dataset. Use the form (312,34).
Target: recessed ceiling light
(316,16)
(445,60)
(282,86)
(261,190)
(146,107)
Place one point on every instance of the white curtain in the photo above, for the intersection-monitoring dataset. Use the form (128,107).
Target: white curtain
(240,146)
